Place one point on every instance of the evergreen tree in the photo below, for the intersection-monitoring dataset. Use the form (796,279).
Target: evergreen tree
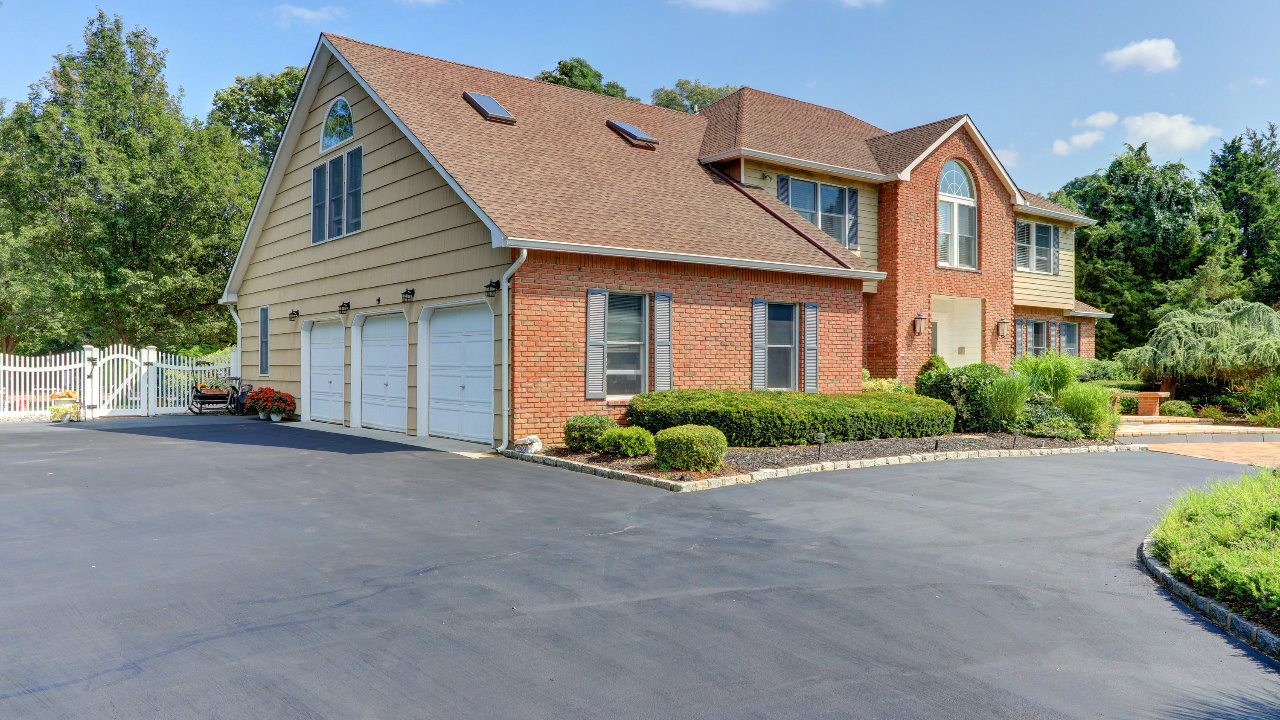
(1245,173)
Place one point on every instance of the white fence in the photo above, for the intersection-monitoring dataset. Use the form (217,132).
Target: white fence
(111,381)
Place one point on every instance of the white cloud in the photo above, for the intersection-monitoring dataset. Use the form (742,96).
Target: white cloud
(1079,141)
(1008,156)
(732,6)
(287,15)
(1259,81)
(1100,119)
(1168,134)
(1153,55)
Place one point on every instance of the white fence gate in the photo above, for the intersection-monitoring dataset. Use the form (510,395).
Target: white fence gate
(113,381)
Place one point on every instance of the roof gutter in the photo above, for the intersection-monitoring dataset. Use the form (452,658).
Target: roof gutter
(1081,313)
(747,193)
(613,251)
(1045,212)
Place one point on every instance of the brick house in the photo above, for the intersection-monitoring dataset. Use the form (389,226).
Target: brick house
(441,249)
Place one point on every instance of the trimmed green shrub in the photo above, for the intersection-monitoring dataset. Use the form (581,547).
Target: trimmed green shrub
(582,432)
(1176,408)
(1090,407)
(1063,428)
(967,389)
(1128,406)
(935,362)
(888,385)
(689,447)
(1222,540)
(627,441)
(1210,412)
(1008,397)
(756,419)
(1048,373)
(1091,370)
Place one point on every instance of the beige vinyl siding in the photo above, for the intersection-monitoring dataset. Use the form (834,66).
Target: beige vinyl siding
(1049,291)
(868,204)
(416,233)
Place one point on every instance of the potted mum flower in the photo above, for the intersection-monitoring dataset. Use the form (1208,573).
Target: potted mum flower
(257,401)
(279,405)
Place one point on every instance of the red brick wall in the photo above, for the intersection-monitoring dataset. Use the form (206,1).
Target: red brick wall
(711,329)
(1087,327)
(908,253)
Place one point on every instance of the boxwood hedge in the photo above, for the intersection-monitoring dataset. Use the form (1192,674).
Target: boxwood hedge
(756,418)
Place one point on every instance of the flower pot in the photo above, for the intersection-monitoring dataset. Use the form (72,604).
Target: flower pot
(276,417)
(262,415)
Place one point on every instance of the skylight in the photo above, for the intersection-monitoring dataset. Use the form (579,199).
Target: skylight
(633,135)
(489,108)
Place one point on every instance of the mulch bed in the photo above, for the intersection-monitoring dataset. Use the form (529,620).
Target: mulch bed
(744,460)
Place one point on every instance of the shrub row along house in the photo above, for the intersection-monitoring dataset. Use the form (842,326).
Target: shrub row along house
(441,249)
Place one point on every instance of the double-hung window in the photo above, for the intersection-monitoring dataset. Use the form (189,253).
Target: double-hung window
(1036,248)
(781,354)
(1069,337)
(830,207)
(957,218)
(626,339)
(1037,337)
(336,196)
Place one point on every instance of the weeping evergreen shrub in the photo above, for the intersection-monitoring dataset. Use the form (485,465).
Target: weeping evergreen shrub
(1234,340)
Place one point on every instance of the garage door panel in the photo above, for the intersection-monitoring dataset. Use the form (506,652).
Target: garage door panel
(328,358)
(461,373)
(384,373)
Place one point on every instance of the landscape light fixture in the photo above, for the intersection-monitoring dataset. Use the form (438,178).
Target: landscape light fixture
(407,295)
(1002,327)
(917,325)
(343,308)
(492,287)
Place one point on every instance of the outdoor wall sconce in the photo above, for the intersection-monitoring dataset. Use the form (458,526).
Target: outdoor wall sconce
(407,295)
(492,287)
(918,325)
(343,308)
(293,315)
(1002,328)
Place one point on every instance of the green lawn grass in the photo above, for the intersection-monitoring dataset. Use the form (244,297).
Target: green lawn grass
(1224,540)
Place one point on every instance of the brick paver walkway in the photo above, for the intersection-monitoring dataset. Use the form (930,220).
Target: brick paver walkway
(1266,454)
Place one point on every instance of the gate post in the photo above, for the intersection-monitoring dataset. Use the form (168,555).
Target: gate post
(149,379)
(92,382)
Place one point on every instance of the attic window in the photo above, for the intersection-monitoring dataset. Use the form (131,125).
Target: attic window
(633,135)
(489,108)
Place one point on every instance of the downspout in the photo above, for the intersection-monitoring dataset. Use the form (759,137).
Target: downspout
(239,340)
(778,217)
(506,347)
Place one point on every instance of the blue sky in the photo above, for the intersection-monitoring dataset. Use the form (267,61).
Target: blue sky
(1057,88)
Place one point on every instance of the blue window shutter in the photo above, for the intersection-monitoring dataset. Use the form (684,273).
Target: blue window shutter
(355,181)
(759,344)
(1053,256)
(784,190)
(811,347)
(319,201)
(597,309)
(1053,337)
(1021,341)
(852,239)
(663,370)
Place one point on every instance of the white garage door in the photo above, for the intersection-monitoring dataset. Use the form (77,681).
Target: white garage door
(384,373)
(328,342)
(461,366)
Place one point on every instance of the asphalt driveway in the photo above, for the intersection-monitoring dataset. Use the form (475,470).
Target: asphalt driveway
(220,568)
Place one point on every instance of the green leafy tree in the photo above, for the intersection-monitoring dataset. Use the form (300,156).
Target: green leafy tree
(1245,173)
(691,95)
(1155,225)
(257,108)
(1235,340)
(578,73)
(132,212)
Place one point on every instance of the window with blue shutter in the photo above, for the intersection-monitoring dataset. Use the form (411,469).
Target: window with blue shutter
(264,341)
(1020,338)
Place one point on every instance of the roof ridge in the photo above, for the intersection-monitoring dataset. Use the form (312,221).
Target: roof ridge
(917,127)
(504,74)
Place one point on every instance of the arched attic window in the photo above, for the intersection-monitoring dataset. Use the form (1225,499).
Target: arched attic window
(338,125)
(957,218)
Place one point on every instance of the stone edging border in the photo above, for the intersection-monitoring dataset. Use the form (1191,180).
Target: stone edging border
(769,474)
(1217,613)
